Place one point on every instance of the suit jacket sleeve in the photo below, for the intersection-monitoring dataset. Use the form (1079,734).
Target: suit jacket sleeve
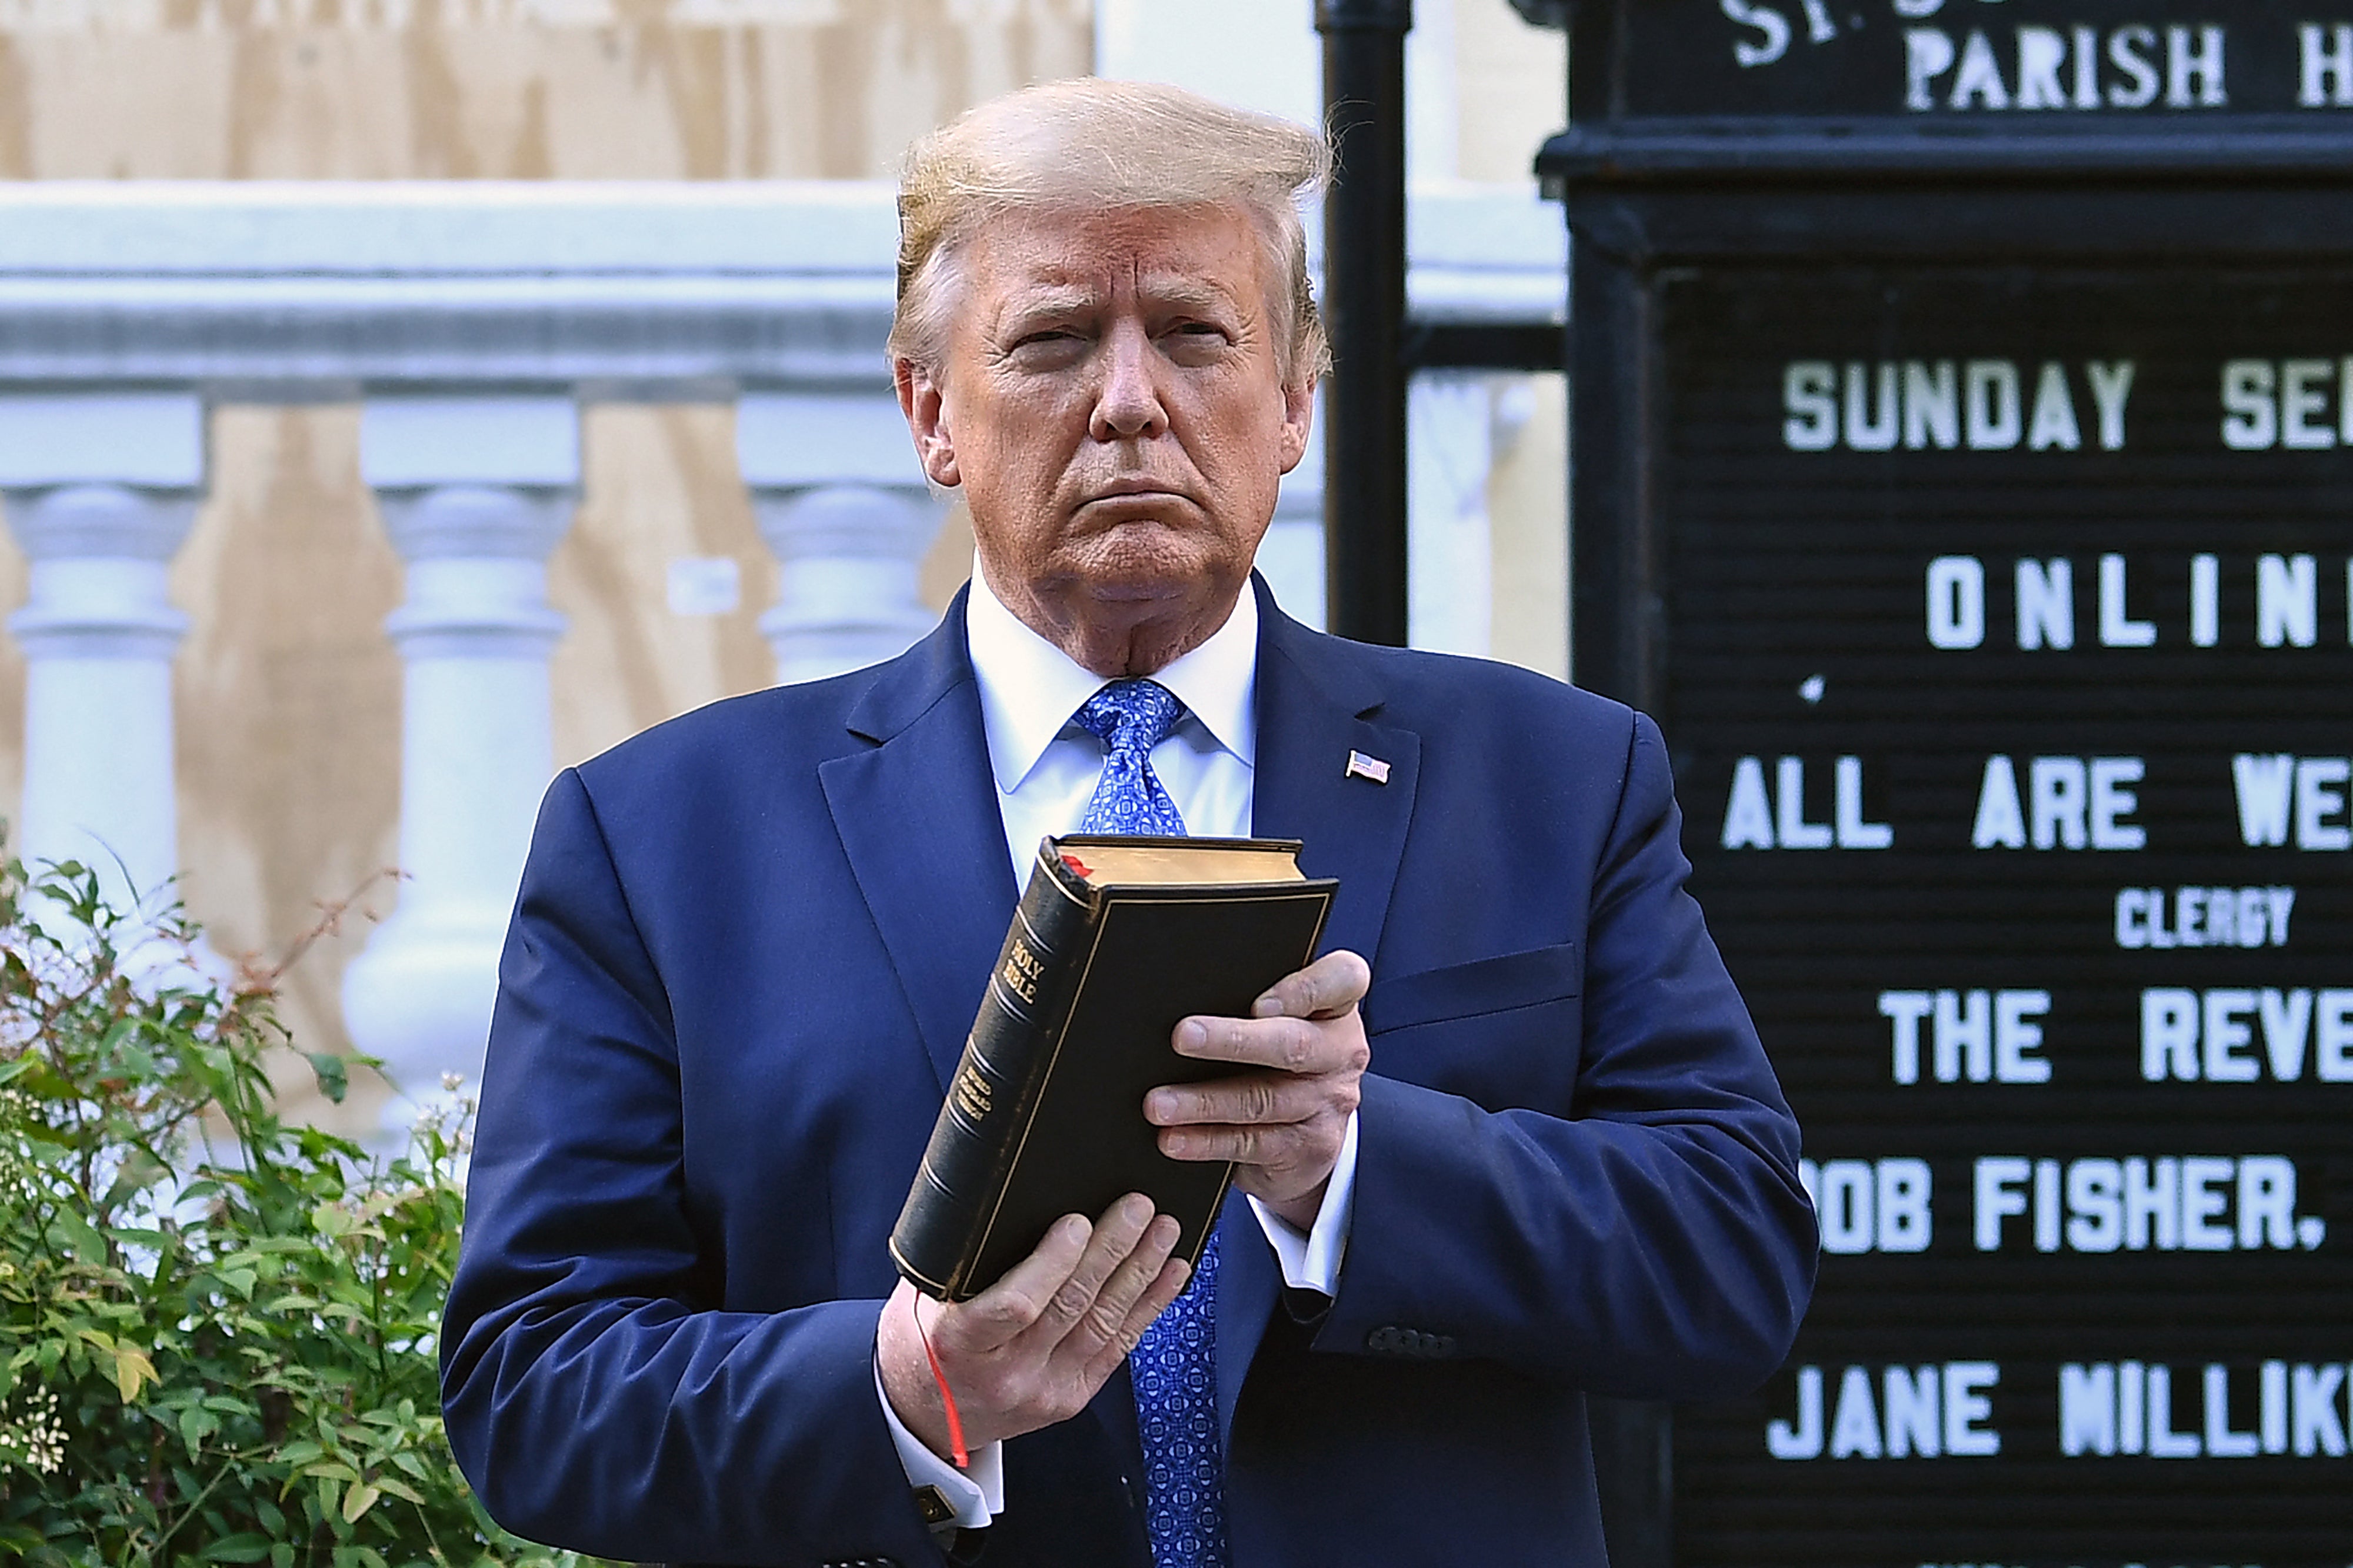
(598,1396)
(1648,1240)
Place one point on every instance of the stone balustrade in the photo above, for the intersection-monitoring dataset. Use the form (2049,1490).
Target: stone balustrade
(473,321)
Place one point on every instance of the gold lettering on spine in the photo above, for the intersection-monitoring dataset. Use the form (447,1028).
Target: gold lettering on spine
(1021,972)
(970,1090)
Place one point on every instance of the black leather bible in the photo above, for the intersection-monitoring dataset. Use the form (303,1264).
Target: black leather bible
(1115,939)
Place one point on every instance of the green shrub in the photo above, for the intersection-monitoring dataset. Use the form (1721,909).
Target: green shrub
(217,1329)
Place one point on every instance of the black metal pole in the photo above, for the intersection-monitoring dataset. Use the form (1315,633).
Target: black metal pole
(1363,310)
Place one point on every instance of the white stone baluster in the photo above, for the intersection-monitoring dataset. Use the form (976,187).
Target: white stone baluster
(102,489)
(842,504)
(475,493)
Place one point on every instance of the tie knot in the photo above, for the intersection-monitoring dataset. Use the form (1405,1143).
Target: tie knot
(1130,717)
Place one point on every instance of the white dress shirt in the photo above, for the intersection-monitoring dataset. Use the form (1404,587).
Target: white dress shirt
(1045,770)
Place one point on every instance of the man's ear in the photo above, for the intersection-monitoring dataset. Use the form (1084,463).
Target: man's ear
(1298,419)
(922,401)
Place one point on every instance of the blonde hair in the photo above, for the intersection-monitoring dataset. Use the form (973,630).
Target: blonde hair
(1089,142)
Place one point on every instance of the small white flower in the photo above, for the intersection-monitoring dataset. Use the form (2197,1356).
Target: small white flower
(40,1443)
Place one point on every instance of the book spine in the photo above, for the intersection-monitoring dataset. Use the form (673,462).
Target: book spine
(995,1090)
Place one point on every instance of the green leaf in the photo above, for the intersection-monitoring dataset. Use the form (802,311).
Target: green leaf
(263,1248)
(35,1076)
(248,1547)
(358,1500)
(78,1234)
(334,1081)
(196,1426)
(132,1371)
(281,1555)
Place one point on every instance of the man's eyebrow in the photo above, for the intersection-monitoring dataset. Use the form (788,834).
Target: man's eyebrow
(1050,299)
(1044,299)
(1186,292)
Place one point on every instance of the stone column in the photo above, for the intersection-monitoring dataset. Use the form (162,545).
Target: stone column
(475,492)
(101,490)
(842,504)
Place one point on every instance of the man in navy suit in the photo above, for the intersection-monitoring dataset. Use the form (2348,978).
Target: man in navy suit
(1510,1139)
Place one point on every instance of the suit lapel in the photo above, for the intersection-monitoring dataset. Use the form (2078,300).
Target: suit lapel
(918,818)
(1318,700)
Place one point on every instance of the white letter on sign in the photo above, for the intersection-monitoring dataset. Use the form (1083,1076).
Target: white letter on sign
(1956,602)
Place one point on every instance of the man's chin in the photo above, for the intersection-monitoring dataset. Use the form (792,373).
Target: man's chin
(1134,622)
(1143,593)
(1146,565)
(1126,599)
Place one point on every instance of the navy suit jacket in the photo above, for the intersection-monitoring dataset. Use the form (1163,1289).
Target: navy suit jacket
(748,947)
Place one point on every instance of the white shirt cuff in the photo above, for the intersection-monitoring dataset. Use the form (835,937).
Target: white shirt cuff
(1310,1259)
(977,1494)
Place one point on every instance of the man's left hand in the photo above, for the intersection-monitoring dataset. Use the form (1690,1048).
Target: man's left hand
(1282,1122)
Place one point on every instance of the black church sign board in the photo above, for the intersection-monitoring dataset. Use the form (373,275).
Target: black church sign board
(1963,456)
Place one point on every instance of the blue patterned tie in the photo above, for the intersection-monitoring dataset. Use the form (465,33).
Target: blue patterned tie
(1174,1369)
(1174,1365)
(1130,718)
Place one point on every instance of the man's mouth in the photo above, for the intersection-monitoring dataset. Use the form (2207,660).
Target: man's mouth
(1134,490)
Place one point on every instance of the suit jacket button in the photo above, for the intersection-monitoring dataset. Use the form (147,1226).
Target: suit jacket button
(1416,1344)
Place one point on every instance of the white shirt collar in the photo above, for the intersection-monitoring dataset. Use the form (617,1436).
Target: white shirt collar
(1029,688)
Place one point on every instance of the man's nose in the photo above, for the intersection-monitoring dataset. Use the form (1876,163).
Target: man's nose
(1127,406)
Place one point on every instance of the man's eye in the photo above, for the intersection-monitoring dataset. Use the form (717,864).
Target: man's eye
(1051,343)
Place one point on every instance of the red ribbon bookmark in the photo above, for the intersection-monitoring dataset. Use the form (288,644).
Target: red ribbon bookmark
(947,1400)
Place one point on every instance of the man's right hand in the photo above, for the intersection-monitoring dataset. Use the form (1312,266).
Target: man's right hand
(1033,1348)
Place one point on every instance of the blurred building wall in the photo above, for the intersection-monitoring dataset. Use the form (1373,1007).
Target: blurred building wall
(289,691)
(372,89)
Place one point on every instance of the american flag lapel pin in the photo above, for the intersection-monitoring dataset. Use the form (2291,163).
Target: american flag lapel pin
(1361,767)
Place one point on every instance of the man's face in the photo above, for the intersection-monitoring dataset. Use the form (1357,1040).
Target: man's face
(1110,403)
